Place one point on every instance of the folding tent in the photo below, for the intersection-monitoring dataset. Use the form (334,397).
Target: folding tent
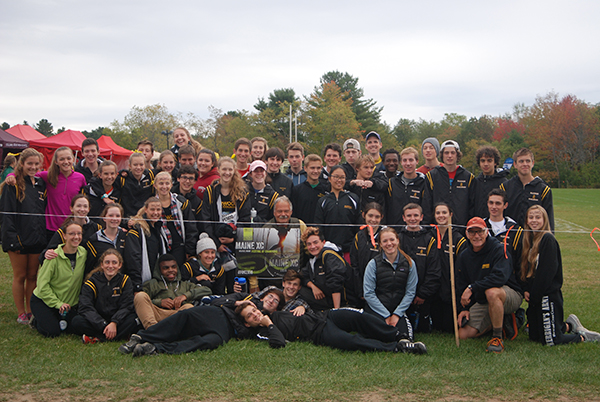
(118,154)
(10,143)
(25,132)
(69,138)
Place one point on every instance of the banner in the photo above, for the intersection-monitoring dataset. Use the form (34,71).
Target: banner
(267,251)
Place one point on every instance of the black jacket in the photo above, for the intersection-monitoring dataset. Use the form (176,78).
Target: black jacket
(513,236)
(484,269)
(95,191)
(485,184)
(460,195)
(459,244)
(195,203)
(263,202)
(547,279)
(421,247)
(134,193)
(361,252)
(329,272)
(305,199)
(192,268)
(398,195)
(281,184)
(89,229)
(84,170)
(102,301)
(97,244)
(338,211)
(376,193)
(155,246)
(520,198)
(307,327)
(20,230)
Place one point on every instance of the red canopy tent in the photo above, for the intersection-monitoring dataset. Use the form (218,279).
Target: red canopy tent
(25,132)
(118,154)
(69,138)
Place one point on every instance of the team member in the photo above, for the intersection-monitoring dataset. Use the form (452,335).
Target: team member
(420,244)
(9,164)
(144,243)
(390,284)
(441,303)
(279,181)
(106,303)
(306,195)
(166,294)
(54,300)
(292,283)
(185,187)
(333,331)
(391,161)
(146,148)
(111,237)
(88,166)
(167,162)
(206,162)
(242,155)
(187,156)
(450,183)
(523,191)
(24,228)
(491,177)
(262,196)
(337,209)
(182,137)
(352,152)
(324,274)
(101,190)
(332,156)
(177,220)
(364,186)
(541,277)
(226,203)
(259,147)
(295,155)
(487,286)
(430,148)
(205,269)
(373,146)
(404,188)
(364,248)
(136,184)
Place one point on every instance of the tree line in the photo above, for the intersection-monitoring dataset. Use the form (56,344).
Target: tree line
(563,132)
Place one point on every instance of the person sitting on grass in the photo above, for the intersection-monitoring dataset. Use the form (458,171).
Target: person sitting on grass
(166,294)
(106,303)
(541,277)
(487,286)
(333,330)
(206,269)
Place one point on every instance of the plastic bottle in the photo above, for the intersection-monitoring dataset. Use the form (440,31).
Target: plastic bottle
(252,215)
(63,321)
(243,284)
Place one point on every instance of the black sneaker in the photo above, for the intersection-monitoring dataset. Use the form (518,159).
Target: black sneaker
(510,328)
(144,349)
(406,346)
(128,347)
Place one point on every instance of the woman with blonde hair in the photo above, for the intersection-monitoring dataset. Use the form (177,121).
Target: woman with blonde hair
(24,229)
(541,278)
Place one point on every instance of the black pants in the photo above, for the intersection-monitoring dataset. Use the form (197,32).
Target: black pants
(81,326)
(373,334)
(47,319)
(198,328)
(403,326)
(325,303)
(420,317)
(441,315)
(546,323)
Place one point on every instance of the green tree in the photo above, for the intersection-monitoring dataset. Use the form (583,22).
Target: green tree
(404,131)
(44,127)
(5,126)
(329,117)
(368,114)
(95,133)
(60,130)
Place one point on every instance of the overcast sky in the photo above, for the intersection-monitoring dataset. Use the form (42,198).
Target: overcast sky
(82,64)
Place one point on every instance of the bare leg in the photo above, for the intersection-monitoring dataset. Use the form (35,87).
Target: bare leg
(32,270)
(19,266)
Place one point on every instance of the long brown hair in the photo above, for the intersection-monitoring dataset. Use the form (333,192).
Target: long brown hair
(110,251)
(197,146)
(19,175)
(139,219)
(392,230)
(531,243)
(53,169)
(237,186)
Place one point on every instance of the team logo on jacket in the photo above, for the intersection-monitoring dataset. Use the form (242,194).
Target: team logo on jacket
(116,291)
(534,196)
(461,184)
(415,194)
(485,266)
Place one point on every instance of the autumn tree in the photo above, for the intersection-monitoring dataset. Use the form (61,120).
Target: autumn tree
(328,118)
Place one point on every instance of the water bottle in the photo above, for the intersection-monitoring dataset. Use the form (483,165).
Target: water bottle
(252,215)
(242,282)
(63,321)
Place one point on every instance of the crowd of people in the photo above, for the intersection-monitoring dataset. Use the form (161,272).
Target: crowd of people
(148,253)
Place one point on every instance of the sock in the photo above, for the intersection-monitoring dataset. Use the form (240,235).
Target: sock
(497,332)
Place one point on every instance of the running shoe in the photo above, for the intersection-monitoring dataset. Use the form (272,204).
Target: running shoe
(23,319)
(495,345)
(144,349)
(89,340)
(128,347)
(406,346)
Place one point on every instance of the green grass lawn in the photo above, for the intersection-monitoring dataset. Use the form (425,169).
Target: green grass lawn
(36,369)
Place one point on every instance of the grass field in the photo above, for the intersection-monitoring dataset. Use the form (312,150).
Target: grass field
(36,369)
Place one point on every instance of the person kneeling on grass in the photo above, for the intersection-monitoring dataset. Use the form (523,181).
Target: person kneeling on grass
(541,277)
(331,329)
(166,294)
(106,302)
(487,286)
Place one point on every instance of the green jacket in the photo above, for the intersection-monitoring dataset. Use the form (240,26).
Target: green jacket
(57,283)
(158,288)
